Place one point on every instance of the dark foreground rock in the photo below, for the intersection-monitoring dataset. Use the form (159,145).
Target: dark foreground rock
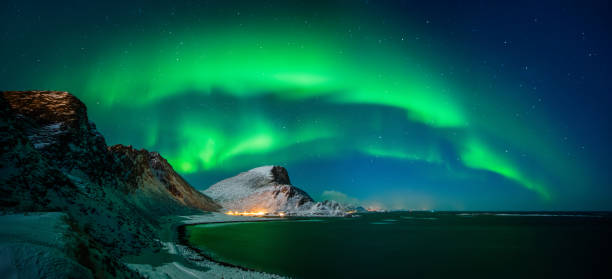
(52,159)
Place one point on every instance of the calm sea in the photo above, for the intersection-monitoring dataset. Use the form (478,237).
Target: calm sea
(418,245)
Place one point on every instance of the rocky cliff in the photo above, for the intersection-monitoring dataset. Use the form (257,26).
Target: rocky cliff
(150,174)
(52,158)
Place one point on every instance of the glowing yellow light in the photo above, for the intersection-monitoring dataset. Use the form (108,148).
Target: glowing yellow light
(258,213)
(255,213)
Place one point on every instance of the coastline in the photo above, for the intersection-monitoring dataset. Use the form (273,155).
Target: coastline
(178,259)
(182,239)
(447,232)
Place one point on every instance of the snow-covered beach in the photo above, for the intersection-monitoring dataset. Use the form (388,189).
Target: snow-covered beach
(35,245)
(177,260)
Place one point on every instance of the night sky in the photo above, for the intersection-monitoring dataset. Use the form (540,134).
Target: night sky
(394,104)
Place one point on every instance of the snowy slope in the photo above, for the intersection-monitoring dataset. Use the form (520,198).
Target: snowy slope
(46,245)
(33,246)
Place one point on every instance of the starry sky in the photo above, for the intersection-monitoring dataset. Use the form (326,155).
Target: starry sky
(449,105)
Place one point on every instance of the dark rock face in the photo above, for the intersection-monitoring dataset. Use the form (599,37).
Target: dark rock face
(53,159)
(28,180)
(291,192)
(56,125)
(280,175)
(135,162)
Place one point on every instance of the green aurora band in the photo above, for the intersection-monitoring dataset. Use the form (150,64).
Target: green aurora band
(244,65)
(297,66)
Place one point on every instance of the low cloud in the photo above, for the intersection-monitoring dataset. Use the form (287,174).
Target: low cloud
(396,200)
(339,197)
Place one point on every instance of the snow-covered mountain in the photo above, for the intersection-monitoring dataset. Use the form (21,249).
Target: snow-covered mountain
(268,189)
(52,159)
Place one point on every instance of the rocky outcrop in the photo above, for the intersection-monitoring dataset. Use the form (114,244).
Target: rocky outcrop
(56,125)
(48,107)
(268,189)
(148,172)
(53,159)
(327,207)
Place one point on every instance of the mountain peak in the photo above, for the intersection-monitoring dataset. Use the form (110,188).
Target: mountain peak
(47,107)
(277,174)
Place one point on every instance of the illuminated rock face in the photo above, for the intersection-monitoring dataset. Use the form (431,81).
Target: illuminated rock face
(268,189)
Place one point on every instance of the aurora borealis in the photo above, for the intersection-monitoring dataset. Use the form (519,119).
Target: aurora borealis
(397,104)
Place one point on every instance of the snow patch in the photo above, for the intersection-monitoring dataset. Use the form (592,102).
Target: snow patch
(45,136)
(33,246)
